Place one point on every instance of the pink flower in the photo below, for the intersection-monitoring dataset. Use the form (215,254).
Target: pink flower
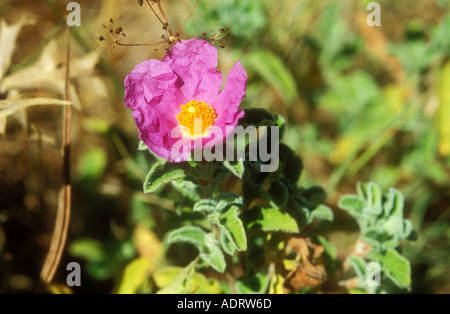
(182,87)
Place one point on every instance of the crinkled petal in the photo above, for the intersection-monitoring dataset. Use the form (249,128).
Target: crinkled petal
(228,102)
(152,83)
(156,132)
(195,62)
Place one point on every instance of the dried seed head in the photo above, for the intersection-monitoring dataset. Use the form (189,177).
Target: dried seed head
(101,38)
(111,20)
(140,2)
(119,30)
(222,45)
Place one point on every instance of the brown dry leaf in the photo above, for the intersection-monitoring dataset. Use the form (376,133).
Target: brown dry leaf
(16,106)
(311,271)
(8,37)
(46,74)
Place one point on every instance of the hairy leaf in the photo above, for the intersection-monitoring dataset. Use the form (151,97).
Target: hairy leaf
(398,268)
(271,219)
(163,173)
(321,212)
(193,235)
(232,226)
(236,167)
(215,257)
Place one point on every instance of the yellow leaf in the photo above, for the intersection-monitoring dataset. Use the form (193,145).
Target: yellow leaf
(343,147)
(58,289)
(192,282)
(443,113)
(395,96)
(148,246)
(277,285)
(134,275)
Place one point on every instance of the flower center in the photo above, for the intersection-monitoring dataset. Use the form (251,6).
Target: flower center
(194,110)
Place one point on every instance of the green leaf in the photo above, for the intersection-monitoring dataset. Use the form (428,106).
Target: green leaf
(87,249)
(225,200)
(92,164)
(292,164)
(330,254)
(134,275)
(189,234)
(256,284)
(236,167)
(407,229)
(398,268)
(205,205)
(281,123)
(227,246)
(374,196)
(218,177)
(218,204)
(279,193)
(232,226)
(192,282)
(174,282)
(273,70)
(257,117)
(353,204)
(189,187)
(360,267)
(321,212)
(142,147)
(215,257)
(271,219)
(394,204)
(252,191)
(163,173)
(394,226)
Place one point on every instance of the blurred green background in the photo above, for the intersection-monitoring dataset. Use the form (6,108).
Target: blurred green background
(361,104)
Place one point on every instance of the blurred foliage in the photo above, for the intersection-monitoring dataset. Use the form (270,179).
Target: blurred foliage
(361,104)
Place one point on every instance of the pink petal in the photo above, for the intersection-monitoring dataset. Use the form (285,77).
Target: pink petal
(151,83)
(195,62)
(230,98)
(156,132)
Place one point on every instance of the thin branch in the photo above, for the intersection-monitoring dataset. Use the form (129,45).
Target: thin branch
(59,237)
(165,18)
(187,18)
(154,12)
(138,45)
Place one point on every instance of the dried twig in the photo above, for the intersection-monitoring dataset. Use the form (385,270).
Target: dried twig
(59,237)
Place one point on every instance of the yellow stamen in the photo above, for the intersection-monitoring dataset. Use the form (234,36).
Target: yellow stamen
(196,110)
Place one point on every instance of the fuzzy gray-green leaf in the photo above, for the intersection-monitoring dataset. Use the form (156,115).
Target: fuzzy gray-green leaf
(163,173)
(214,257)
(398,268)
(236,167)
(189,234)
(271,219)
(230,224)
(321,212)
